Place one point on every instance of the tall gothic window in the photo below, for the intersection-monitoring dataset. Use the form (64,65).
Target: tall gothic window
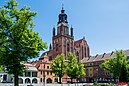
(85,51)
(68,47)
(82,52)
(56,47)
(77,53)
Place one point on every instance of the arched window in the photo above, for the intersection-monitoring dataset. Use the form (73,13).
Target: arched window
(49,80)
(34,80)
(82,53)
(27,80)
(56,80)
(20,80)
(77,53)
(85,52)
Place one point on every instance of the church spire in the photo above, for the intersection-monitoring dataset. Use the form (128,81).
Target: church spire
(54,32)
(62,16)
(62,11)
(71,31)
(50,47)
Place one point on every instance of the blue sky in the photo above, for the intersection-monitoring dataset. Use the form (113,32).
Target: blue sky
(104,23)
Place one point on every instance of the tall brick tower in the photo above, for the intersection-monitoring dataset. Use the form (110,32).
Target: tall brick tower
(63,41)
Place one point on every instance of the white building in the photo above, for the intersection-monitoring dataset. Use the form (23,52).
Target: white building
(5,77)
(30,76)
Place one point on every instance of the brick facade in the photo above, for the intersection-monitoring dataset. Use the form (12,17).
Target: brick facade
(62,43)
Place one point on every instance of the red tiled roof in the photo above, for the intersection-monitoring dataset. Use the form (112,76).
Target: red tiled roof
(36,63)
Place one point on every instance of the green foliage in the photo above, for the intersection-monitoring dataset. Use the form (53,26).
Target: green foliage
(74,68)
(97,84)
(81,70)
(1,68)
(18,42)
(58,66)
(117,65)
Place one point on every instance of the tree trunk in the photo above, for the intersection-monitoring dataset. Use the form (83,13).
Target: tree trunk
(59,80)
(123,74)
(71,80)
(16,79)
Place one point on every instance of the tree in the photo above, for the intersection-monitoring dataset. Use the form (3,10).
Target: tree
(58,66)
(81,70)
(117,65)
(18,42)
(74,68)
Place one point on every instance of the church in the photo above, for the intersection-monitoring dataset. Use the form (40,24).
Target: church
(63,40)
(62,43)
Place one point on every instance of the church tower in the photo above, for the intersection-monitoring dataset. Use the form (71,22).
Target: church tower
(63,39)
